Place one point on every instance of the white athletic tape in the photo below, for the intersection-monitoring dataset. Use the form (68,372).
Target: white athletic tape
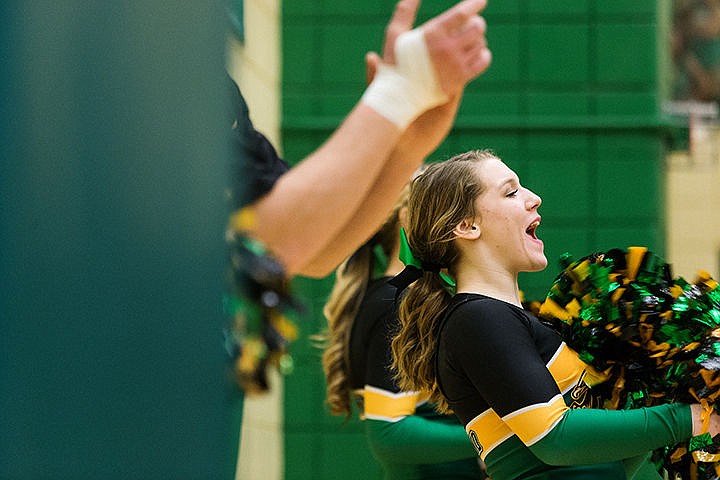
(403,91)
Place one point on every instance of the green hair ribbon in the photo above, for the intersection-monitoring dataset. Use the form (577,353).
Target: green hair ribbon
(407,257)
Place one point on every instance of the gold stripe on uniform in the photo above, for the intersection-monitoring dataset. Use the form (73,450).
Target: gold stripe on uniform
(389,406)
(489,429)
(567,369)
(533,422)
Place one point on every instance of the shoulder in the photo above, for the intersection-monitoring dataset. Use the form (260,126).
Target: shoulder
(378,301)
(257,164)
(467,305)
(380,293)
(479,315)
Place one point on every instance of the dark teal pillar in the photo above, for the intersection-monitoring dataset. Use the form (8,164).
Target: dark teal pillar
(114,162)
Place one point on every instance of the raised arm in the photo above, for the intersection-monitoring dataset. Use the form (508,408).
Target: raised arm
(317,201)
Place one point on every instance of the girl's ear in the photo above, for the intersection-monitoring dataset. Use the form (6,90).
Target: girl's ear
(467,229)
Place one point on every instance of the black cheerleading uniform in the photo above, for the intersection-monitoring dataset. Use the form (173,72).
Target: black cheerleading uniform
(526,400)
(406,435)
(257,165)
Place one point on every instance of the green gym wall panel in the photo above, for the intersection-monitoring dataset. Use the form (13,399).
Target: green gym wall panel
(643,105)
(336,105)
(297,101)
(292,10)
(557,9)
(352,8)
(635,234)
(343,53)
(573,173)
(568,65)
(627,189)
(446,150)
(626,54)
(631,144)
(504,8)
(630,174)
(298,142)
(507,67)
(558,103)
(302,455)
(350,449)
(626,8)
(299,43)
(489,103)
(551,144)
(504,144)
(305,392)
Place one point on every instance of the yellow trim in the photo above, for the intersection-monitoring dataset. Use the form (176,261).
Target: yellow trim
(532,423)
(567,369)
(384,405)
(489,429)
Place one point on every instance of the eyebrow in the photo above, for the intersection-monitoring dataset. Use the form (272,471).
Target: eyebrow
(508,180)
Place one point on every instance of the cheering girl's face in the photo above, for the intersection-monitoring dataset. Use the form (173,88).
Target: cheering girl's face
(507,217)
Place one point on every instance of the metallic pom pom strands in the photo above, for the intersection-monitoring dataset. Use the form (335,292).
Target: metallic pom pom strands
(260,307)
(655,336)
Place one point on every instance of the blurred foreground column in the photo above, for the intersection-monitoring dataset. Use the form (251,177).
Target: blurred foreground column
(114,163)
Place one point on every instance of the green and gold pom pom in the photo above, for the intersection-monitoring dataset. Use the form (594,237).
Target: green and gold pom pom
(656,336)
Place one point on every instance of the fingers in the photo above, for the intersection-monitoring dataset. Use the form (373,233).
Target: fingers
(402,20)
(372,60)
(456,17)
(479,62)
(472,32)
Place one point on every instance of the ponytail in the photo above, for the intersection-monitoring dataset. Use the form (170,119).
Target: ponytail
(440,198)
(415,344)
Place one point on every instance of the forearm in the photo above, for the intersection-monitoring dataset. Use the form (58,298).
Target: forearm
(417,142)
(595,436)
(317,198)
(371,213)
(416,440)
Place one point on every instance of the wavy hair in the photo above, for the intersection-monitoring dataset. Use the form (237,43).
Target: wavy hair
(439,200)
(351,280)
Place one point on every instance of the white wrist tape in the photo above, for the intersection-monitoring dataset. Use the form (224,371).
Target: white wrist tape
(403,91)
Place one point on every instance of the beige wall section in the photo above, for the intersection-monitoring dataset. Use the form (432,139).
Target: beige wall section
(255,66)
(693,205)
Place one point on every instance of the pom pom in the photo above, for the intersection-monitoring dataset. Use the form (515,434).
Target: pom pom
(657,338)
(261,308)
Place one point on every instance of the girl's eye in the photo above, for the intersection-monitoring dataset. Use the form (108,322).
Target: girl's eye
(513,193)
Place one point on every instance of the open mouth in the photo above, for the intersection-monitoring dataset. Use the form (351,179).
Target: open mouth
(532,228)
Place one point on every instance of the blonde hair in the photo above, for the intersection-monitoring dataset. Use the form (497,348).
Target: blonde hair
(351,280)
(440,199)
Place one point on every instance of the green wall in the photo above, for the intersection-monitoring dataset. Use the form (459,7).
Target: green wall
(571,102)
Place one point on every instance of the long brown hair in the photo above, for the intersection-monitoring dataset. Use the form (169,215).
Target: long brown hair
(442,197)
(351,281)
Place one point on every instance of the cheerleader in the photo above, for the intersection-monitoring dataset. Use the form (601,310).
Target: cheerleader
(525,398)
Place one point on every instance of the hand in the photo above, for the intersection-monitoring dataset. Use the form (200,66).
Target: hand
(455,40)
(427,131)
